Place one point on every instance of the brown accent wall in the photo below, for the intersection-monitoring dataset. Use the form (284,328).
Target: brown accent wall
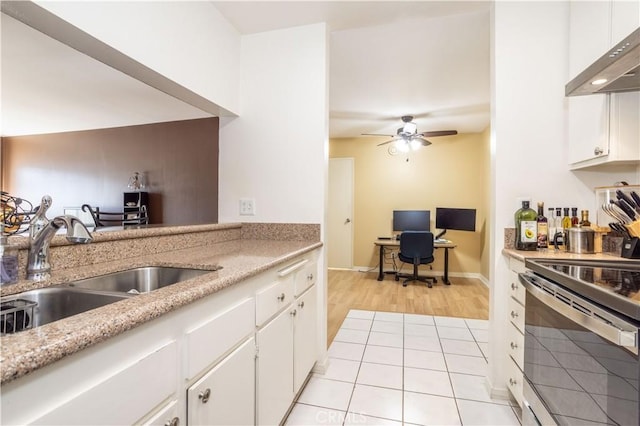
(179,160)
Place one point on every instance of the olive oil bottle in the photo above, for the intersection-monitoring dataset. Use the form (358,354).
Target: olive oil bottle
(526,228)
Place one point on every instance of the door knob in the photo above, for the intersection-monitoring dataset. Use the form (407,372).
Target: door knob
(347,221)
(204,396)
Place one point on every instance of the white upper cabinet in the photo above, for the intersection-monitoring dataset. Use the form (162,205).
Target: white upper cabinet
(603,128)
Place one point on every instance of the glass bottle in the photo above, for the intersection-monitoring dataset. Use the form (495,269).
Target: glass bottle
(526,228)
(574,217)
(566,219)
(543,228)
(557,223)
(585,218)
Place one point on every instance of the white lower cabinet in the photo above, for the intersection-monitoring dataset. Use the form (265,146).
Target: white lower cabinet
(225,394)
(274,368)
(515,331)
(166,416)
(194,366)
(305,337)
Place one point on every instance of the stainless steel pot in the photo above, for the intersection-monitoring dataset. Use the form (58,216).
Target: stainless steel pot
(577,240)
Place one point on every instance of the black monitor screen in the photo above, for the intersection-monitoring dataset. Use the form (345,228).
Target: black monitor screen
(456,219)
(411,220)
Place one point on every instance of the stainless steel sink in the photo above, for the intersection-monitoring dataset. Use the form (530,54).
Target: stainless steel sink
(52,304)
(139,280)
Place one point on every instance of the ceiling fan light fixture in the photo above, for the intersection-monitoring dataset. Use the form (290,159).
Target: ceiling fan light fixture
(402,145)
(415,144)
(410,128)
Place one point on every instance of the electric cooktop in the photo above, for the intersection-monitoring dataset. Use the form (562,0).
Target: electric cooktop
(612,284)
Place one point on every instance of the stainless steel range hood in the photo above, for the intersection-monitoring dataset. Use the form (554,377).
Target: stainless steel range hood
(619,67)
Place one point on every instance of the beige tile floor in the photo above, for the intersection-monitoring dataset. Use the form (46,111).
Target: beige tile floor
(393,369)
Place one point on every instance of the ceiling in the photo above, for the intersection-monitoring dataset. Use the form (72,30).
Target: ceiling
(387,59)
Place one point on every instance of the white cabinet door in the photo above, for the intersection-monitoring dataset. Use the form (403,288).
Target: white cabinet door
(305,337)
(275,371)
(226,394)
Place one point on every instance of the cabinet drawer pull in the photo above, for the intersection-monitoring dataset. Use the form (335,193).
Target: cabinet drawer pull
(598,151)
(514,286)
(293,313)
(281,297)
(310,277)
(512,382)
(514,314)
(173,422)
(204,396)
(513,345)
(301,304)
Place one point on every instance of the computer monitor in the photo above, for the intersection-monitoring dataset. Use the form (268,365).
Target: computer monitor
(456,219)
(411,220)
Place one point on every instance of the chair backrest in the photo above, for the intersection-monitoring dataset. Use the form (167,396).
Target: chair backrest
(416,244)
(132,217)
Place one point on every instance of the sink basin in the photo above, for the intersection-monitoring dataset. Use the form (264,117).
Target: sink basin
(139,280)
(53,304)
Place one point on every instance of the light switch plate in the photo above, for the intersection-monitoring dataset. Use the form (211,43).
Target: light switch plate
(247,207)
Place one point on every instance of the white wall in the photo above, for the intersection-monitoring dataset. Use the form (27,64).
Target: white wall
(188,42)
(275,151)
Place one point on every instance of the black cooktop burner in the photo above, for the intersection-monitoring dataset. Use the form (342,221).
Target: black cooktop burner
(612,284)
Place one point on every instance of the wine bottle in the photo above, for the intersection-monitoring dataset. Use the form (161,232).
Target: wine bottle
(585,218)
(574,217)
(558,226)
(566,219)
(526,228)
(543,228)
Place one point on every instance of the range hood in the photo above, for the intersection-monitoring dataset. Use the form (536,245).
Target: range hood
(619,68)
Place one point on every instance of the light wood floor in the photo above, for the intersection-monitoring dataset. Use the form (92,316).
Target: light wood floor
(465,297)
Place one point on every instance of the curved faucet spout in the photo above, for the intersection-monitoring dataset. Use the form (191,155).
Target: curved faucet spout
(38,266)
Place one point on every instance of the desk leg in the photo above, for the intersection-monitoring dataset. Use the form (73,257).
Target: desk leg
(446,266)
(380,272)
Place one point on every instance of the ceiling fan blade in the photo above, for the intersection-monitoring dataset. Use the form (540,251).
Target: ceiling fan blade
(423,141)
(438,133)
(389,141)
(376,134)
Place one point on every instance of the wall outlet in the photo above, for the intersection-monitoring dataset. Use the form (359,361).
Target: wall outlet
(247,207)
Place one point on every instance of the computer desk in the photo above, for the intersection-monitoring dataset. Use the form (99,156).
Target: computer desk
(396,243)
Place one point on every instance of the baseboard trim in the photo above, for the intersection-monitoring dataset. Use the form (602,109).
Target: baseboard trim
(434,272)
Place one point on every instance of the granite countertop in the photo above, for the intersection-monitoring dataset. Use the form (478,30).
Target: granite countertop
(559,254)
(29,350)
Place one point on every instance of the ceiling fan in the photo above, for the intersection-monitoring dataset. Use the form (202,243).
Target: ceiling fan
(407,136)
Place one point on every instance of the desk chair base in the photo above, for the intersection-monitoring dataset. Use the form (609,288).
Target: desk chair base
(416,277)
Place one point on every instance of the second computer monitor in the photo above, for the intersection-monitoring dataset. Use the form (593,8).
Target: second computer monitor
(456,219)
(411,220)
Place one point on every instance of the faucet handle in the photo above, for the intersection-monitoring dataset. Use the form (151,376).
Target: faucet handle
(39,219)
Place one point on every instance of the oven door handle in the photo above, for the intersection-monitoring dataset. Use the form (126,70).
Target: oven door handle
(582,312)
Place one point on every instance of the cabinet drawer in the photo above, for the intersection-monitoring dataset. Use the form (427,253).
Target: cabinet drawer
(306,277)
(124,397)
(167,414)
(516,289)
(209,341)
(514,381)
(516,265)
(516,314)
(274,298)
(515,345)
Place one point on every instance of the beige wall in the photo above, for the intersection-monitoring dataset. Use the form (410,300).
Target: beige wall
(453,172)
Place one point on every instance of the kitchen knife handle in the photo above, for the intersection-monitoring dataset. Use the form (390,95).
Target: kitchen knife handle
(636,198)
(627,209)
(622,196)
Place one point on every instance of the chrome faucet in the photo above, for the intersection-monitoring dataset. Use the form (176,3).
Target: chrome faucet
(42,230)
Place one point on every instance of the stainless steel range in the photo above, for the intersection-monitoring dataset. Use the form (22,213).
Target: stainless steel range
(581,361)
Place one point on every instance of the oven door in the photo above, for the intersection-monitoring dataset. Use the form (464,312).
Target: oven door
(580,361)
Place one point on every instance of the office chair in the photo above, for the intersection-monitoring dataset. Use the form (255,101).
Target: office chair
(416,247)
(132,217)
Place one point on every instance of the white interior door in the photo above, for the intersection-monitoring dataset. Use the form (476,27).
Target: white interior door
(340,213)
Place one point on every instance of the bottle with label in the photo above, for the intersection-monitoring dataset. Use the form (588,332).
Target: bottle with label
(543,228)
(585,219)
(566,219)
(574,217)
(557,223)
(526,228)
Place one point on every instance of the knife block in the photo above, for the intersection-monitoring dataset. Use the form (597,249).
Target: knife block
(631,248)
